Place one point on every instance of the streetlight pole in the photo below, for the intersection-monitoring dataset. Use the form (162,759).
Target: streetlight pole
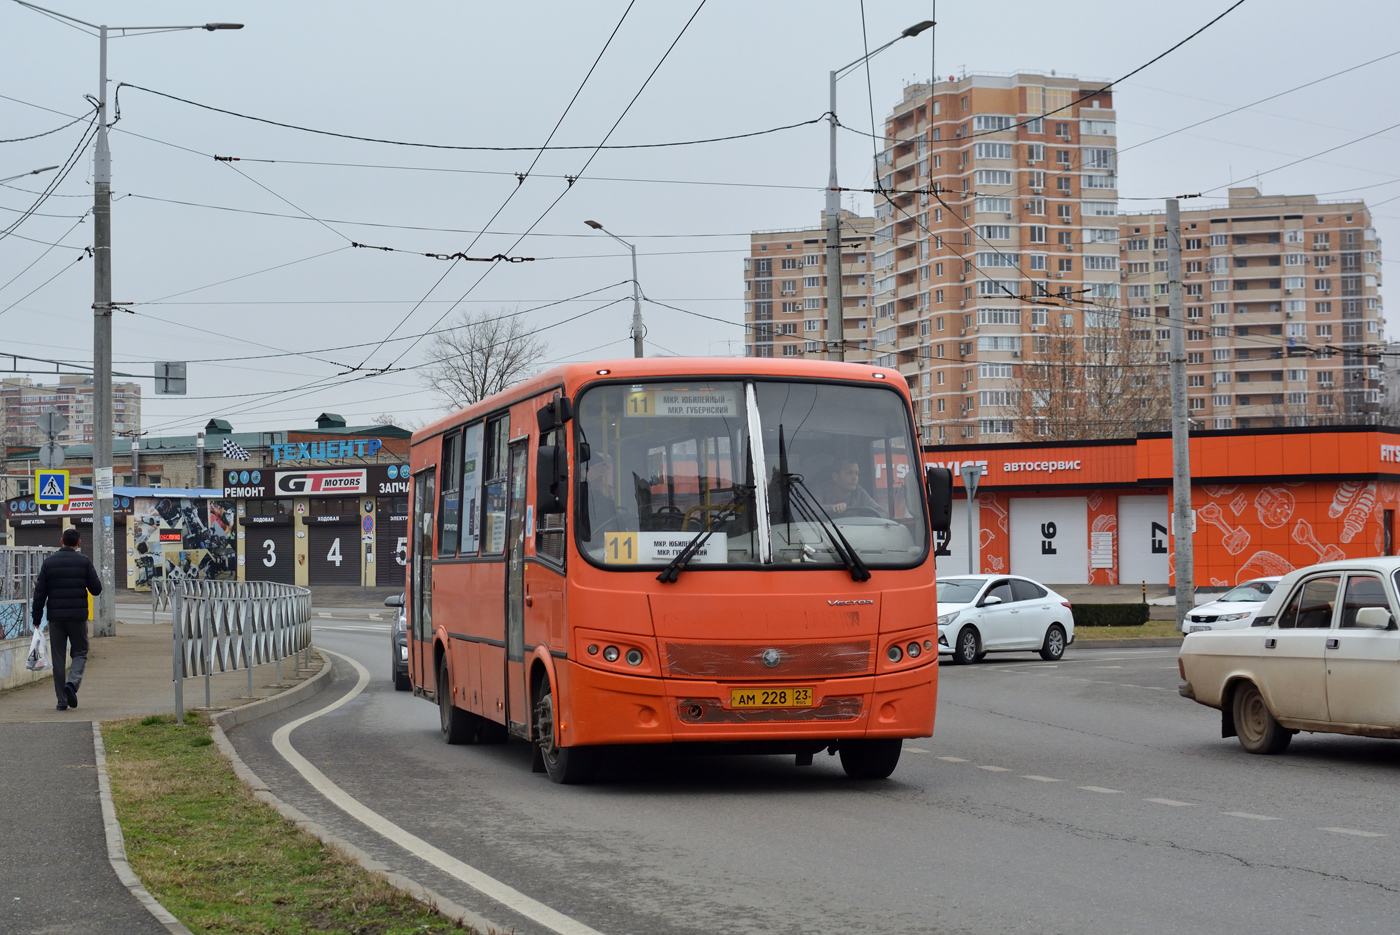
(835,312)
(103,539)
(638,329)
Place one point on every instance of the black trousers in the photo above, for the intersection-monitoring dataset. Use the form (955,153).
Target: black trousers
(61,633)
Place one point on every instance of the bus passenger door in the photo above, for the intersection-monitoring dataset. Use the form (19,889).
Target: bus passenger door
(517,715)
(421,585)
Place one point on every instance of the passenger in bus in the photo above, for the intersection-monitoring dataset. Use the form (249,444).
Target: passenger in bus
(843,494)
(602,509)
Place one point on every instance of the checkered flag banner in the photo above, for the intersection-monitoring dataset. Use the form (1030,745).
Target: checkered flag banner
(235,451)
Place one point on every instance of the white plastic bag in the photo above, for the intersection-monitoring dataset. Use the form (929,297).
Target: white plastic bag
(38,659)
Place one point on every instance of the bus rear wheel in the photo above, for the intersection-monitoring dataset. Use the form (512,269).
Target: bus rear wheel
(870,759)
(458,726)
(567,765)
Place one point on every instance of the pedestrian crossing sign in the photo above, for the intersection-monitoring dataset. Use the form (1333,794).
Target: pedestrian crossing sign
(51,487)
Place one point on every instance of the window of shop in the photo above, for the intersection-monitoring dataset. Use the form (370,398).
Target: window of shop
(268,507)
(335,506)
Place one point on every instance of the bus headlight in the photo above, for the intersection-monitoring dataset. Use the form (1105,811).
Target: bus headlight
(895,653)
(634,657)
(610,654)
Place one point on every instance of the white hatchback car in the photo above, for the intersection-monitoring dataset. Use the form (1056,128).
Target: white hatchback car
(1233,610)
(978,614)
(1323,654)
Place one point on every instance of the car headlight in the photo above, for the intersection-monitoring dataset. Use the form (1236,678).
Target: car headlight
(403,653)
(1224,617)
(946,619)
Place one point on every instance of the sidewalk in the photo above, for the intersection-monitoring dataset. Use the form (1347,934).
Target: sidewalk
(53,846)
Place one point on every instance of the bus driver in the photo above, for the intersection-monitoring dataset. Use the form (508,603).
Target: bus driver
(843,494)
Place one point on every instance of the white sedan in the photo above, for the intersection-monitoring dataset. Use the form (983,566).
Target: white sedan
(978,614)
(1322,654)
(1233,610)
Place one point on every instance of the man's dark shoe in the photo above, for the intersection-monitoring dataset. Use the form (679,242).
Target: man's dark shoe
(61,707)
(70,694)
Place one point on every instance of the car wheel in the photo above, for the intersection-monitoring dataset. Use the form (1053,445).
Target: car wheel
(1255,724)
(870,759)
(567,765)
(968,647)
(1054,646)
(458,726)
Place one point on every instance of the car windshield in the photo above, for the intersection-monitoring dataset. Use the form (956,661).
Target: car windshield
(1255,592)
(958,590)
(668,460)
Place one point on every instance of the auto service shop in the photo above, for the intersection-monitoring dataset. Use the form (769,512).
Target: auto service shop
(318,506)
(1099,512)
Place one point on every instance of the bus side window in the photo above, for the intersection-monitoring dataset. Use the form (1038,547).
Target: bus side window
(550,530)
(495,482)
(449,492)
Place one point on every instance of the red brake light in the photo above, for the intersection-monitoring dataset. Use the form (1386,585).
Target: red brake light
(1067,604)
(1181,667)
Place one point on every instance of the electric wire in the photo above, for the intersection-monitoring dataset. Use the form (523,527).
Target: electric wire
(57,243)
(73,160)
(21,139)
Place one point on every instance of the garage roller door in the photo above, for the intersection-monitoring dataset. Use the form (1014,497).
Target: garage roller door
(1142,540)
(37,535)
(335,553)
(1050,539)
(390,541)
(269,554)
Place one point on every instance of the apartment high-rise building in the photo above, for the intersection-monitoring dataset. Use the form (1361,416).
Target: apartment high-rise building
(785,299)
(1283,310)
(23,401)
(1000,279)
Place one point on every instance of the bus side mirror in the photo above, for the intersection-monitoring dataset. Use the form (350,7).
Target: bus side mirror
(938,487)
(551,480)
(558,411)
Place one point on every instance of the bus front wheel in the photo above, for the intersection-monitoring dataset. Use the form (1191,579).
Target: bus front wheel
(458,726)
(568,765)
(870,759)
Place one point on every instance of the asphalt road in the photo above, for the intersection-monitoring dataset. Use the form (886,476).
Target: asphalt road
(1082,797)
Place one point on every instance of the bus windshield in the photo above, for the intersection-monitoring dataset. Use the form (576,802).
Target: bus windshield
(779,473)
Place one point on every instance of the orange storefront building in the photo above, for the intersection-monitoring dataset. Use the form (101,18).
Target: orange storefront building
(1099,512)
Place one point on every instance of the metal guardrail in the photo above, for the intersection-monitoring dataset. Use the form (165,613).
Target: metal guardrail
(224,626)
(19,569)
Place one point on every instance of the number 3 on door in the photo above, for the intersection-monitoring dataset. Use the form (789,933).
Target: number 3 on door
(620,548)
(270,559)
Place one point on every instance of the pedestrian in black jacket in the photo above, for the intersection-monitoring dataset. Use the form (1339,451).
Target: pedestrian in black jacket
(64,582)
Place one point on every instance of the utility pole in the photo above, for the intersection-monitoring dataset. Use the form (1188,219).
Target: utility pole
(1181,426)
(638,329)
(971,474)
(835,313)
(103,543)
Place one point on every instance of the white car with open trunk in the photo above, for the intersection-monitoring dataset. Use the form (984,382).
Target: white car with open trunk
(1322,654)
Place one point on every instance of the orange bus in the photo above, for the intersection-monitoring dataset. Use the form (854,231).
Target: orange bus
(729,553)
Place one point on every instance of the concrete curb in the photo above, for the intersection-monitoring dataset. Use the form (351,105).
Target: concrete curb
(258,709)
(116,844)
(1153,643)
(279,702)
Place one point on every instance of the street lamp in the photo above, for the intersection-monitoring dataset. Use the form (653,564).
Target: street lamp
(637,328)
(835,314)
(104,551)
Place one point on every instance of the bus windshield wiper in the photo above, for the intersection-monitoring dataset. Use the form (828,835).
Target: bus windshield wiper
(807,508)
(673,568)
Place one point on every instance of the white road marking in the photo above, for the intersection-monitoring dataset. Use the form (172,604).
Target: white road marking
(1353,831)
(995,769)
(1251,815)
(322,614)
(952,759)
(1168,802)
(1101,789)
(1108,667)
(916,750)
(364,629)
(1041,778)
(488,886)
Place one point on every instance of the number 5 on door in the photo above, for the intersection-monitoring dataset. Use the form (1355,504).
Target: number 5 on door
(620,548)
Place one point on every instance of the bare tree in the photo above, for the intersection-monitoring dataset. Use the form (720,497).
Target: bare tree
(482,354)
(1099,382)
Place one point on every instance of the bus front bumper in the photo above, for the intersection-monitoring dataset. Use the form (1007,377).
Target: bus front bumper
(609,708)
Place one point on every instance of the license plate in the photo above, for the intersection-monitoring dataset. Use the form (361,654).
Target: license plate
(770,697)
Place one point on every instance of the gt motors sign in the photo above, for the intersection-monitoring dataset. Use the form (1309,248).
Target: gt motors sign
(330,481)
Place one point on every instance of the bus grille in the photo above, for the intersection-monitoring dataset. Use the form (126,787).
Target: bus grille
(713,711)
(745,660)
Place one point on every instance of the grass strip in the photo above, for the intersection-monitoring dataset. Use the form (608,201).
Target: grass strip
(1152,629)
(224,862)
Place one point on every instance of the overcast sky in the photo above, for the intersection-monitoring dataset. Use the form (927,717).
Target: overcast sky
(501,74)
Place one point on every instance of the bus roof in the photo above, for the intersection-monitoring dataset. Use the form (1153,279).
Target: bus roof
(573,376)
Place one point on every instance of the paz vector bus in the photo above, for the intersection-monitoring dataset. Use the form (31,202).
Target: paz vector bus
(721,553)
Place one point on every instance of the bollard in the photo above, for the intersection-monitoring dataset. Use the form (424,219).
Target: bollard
(178,629)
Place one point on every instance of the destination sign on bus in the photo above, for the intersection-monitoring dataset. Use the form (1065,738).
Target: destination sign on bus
(650,548)
(718,404)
